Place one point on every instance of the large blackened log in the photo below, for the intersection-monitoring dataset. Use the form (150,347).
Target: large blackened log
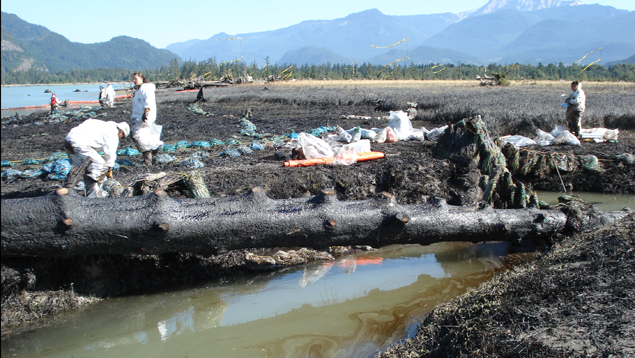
(66,224)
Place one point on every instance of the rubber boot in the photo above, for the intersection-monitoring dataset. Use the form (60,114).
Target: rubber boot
(92,188)
(147,158)
(154,155)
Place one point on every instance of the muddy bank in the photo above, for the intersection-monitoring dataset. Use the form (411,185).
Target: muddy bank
(575,301)
(409,171)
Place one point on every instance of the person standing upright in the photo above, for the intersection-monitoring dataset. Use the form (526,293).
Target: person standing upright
(102,96)
(110,96)
(54,104)
(143,116)
(576,101)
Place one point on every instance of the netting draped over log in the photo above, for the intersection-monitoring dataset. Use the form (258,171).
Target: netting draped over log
(469,143)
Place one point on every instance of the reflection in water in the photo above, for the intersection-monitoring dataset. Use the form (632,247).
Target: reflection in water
(183,319)
(609,202)
(346,308)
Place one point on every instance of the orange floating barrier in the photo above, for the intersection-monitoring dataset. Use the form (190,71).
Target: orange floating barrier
(361,157)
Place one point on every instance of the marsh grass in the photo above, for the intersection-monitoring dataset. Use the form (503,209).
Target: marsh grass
(519,108)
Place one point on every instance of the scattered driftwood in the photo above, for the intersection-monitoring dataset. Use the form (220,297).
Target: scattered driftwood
(497,79)
(68,224)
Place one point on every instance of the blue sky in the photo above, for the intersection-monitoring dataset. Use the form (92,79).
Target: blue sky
(162,22)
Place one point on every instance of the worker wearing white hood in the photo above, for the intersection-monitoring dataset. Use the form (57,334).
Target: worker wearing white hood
(576,101)
(144,114)
(85,140)
(110,96)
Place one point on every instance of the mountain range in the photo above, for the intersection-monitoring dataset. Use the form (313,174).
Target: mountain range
(502,31)
(27,46)
(524,31)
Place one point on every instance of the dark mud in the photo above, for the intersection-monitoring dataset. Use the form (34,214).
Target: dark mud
(33,288)
(575,301)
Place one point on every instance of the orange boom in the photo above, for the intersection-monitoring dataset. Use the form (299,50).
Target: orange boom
(361,157)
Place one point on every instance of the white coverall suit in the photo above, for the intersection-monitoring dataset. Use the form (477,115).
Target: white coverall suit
(84,141)
(575,110)
(110,96)
(141,131)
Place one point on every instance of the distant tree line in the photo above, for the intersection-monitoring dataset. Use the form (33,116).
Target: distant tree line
(212,70)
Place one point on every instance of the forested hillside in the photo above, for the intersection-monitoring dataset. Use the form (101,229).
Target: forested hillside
(27,46)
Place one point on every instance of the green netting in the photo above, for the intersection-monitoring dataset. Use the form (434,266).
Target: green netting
(488,193)
(527,162)
(521,198)
(533,201)
(543,166)
(591,163)
(565,162)
(506,190)
(626,158)
(512,157)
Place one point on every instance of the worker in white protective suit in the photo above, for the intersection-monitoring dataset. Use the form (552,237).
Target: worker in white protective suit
(576,104)
(110,96)
(85,140)
(144,113)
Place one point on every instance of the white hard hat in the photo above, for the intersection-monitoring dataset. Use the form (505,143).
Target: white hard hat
(124,127)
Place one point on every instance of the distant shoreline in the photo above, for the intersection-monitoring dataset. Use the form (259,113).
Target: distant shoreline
(64,84)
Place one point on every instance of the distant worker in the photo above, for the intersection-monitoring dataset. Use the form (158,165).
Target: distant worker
(85,140)
(110,96)
(102,96)
(143,116)
(576,104)
(54,104)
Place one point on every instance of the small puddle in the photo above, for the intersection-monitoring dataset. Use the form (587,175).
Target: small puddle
(608,202)
(351,307)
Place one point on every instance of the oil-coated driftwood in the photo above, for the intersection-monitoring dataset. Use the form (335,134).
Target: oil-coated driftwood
(64,223)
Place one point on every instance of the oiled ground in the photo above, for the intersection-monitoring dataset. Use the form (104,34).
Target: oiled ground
(409,171)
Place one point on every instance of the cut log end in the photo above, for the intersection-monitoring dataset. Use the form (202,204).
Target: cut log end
(160,192)
(68,222)
(62,191)
(402,218)
(164,227)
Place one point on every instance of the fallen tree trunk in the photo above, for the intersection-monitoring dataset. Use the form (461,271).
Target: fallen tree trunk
(66,224)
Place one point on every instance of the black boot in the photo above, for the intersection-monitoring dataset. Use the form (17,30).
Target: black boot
(92,188)
(147,158)
(154,155)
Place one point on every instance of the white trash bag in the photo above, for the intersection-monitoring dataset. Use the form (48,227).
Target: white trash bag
(436,133)
(356,134)
(386,135)
(518,140)
(564,137)
(314,147)
(599,135)
(345,156)
(400,123)
(155,136)
(343,136)
(368,134)
(544,138)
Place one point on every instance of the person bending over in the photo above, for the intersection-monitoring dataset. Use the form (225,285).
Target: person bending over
(85,140)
